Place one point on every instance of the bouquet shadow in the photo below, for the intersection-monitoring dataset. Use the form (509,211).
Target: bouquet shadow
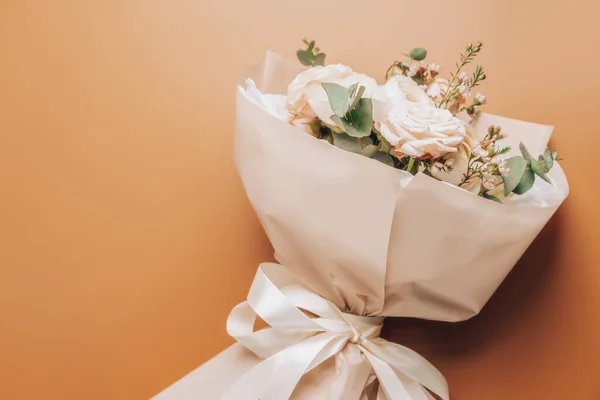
(525,286)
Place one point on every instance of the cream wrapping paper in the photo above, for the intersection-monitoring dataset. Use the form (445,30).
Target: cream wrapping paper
(371,239)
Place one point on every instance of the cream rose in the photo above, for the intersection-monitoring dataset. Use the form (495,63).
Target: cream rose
(399,89)
(422,130)
(306,98)
(407,118)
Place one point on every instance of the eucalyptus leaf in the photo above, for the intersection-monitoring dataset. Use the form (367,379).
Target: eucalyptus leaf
(305,57)
(540,169)
(384,158)
(339,122)
(351,130)
(549,159)
(491,197)
(319,59)
(352,90)
(418,53)
(363,146)
(310,56)
(361,118)
(526,182)
(517,166)
(370,150)
(347,142)
(339,98)
(542,161)
(356,95)
(525,153)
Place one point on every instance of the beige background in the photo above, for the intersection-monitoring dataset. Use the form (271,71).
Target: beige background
(126,236)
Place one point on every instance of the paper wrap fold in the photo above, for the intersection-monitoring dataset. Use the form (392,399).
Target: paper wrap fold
(371,239)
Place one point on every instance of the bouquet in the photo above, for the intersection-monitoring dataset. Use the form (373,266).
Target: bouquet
(393,199)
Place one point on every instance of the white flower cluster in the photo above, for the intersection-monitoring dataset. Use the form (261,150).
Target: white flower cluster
(403,113)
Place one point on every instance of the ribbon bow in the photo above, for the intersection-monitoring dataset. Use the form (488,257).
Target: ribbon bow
(296,342)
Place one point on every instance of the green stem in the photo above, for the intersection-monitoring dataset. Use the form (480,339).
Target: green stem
(447,95)
(411,164)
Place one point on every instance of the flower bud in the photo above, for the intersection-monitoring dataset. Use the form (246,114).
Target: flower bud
(480,99)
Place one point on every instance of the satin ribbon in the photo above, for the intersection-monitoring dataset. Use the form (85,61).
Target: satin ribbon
(306,330)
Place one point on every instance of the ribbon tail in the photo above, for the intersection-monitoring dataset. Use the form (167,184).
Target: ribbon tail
(389,382)
(276,377)
(410,364)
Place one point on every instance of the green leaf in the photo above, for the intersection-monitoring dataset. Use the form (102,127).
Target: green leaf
(517,166)
(361,118)
(319,59)
(504,150)
(525,153)
(356,95)
(384,158)
(541,160)
(539,169)
(346,142)
(369,150)
(363,146)
(339,98)
(310,56)
(418,53)
(352,113)
(526,182)
(305,57)
(549,159)
(352,130)
(339,122)
(491,197)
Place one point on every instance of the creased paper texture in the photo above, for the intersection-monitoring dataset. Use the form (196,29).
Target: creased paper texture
(372,239)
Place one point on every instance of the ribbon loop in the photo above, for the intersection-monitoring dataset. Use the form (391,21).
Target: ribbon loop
(306,330)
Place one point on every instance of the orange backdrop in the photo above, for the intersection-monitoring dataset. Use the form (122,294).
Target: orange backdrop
(125,234)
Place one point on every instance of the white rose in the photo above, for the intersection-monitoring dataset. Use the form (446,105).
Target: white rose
(438,89)
(400,89)
(407,118)
(422,130)
(306,97)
